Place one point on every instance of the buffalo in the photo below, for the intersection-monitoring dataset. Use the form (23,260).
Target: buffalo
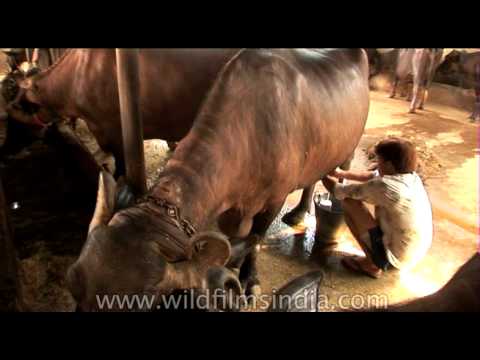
(419,64)
(274,121)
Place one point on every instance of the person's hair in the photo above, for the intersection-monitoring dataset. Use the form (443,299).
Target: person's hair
(401,153)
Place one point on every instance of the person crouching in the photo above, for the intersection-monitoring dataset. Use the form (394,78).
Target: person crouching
(400,232)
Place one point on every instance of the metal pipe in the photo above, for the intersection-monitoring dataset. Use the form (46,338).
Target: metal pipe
(132,127)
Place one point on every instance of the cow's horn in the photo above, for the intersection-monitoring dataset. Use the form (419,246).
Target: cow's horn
(105,200)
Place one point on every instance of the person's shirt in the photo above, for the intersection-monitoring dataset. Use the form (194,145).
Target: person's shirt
(404,213)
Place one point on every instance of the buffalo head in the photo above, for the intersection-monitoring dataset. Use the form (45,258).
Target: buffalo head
(451,63)
(22,98)
(128,254)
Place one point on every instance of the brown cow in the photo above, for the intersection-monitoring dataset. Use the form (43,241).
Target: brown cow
(467,65)
(83,84)
(421,64)
(275,121)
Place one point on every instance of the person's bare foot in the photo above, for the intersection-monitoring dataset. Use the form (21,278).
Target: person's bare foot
(362,265)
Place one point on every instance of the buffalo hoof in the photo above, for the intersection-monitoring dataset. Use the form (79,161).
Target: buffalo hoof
(294,218)
(411,111)
(391,96)
(475,117)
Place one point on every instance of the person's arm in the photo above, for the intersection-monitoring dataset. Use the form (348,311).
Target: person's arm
(372,191)
(361,176)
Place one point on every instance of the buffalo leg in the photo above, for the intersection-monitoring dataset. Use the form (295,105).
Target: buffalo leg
(248,270)
(476,112)
(416,97)
(394,88)
(405,90)
(409,93)
(297,215)
(423,99)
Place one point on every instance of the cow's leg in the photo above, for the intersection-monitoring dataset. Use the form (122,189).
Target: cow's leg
(297,215)
(248,270)
(394,88)
(405,89)
(409,93)
(423,99)
(416,97)
(476,112)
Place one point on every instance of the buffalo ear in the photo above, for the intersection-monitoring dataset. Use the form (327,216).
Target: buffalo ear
(105,207)
(211,249)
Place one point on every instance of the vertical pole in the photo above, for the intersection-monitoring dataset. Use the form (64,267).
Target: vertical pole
(132,127)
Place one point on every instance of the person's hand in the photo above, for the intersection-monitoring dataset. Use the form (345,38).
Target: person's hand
(329,183)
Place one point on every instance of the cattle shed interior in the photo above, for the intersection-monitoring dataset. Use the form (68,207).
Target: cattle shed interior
(49,171)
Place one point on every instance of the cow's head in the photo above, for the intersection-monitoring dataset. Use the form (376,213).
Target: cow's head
(23,98)
(29,86)
(451,63)
(124,256)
